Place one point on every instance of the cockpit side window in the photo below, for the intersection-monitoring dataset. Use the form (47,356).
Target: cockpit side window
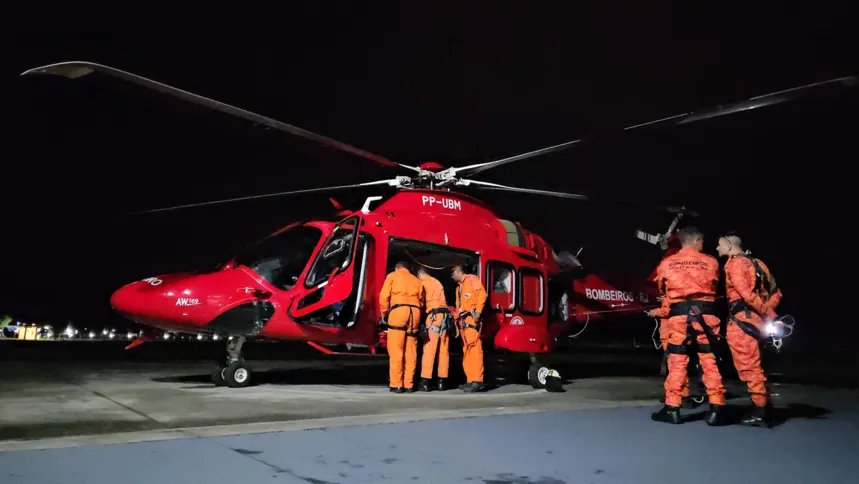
(336,254)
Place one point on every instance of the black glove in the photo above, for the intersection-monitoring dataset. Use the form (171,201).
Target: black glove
(383,324)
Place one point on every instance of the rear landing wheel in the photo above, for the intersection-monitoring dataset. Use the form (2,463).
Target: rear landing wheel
(237,375)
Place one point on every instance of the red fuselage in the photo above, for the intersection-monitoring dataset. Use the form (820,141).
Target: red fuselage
(320,281)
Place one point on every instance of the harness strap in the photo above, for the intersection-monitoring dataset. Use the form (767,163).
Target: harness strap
(740,306)
(404,328)
(694,311)
(463,325)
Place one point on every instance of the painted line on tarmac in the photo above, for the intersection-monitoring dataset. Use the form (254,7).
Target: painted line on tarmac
(293,425)
(278,390)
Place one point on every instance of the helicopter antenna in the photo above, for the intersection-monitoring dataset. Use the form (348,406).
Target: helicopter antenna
(76,69)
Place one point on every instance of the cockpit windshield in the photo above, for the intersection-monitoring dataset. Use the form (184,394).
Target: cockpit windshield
(281,258)
(336,254)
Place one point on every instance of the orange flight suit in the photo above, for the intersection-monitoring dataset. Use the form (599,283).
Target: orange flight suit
(689,278)
(470,296)
(436,310)
(748,308)
(403,295)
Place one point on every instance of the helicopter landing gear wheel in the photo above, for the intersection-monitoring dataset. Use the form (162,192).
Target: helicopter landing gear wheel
(218,375)
(237,375)
(537,374)
(233,372)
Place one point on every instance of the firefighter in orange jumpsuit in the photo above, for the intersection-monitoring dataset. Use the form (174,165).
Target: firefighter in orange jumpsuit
(752,299)
(688,401)
(400,302)
(470,299)
(690,280)
(436,333)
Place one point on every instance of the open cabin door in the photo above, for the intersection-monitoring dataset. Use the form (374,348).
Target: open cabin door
(334,286)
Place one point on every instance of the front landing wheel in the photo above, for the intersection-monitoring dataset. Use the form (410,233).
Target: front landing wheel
(237,375)
(218,375)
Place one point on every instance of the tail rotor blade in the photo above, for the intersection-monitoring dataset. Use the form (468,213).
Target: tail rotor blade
(76,69)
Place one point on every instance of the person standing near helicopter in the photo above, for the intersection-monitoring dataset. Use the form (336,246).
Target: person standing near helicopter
(437,331)
(752,298)
(400,303)
(470,299)
(690,279)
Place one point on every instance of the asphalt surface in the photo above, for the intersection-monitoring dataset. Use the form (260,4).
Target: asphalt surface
(332,421)
(586,446)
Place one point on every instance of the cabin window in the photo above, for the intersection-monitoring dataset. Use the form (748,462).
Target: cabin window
(336,254)
(531,294)
(501,284)
(514,235)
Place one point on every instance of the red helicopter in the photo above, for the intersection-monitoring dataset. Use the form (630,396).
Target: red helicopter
(318,280)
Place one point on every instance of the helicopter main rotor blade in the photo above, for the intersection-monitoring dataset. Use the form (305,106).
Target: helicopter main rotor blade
(685,118)
(574,196)
(393,182)
(75,69)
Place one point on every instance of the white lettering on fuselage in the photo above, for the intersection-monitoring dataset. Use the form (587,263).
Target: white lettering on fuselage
(609,295)
(447,203)
(152,280)
(186,301)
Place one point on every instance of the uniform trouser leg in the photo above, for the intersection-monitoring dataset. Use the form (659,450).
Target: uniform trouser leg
(685,392)
(678,368)
(472,355)
(411,349)
(396,353)
(746,353)
(397,346)
(433,344)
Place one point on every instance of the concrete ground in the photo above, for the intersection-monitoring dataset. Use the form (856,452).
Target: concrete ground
(324,421)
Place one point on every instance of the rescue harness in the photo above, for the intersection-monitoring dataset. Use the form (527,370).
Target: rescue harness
(762,279)
(741,306)
(444,322)
(409,334)
(462,325)
(694,310)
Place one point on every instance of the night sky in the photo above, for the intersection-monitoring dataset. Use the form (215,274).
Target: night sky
(457,85)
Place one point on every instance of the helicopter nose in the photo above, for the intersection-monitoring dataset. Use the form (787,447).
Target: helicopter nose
(167,301)
(190,302)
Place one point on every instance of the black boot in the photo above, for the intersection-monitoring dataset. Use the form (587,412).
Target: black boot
(424,385)
(668,414)
(762,417)
(717,417)
(396,390)
(441,385)
(473,387)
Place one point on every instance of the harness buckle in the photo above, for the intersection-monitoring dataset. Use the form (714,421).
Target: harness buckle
(777,342)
